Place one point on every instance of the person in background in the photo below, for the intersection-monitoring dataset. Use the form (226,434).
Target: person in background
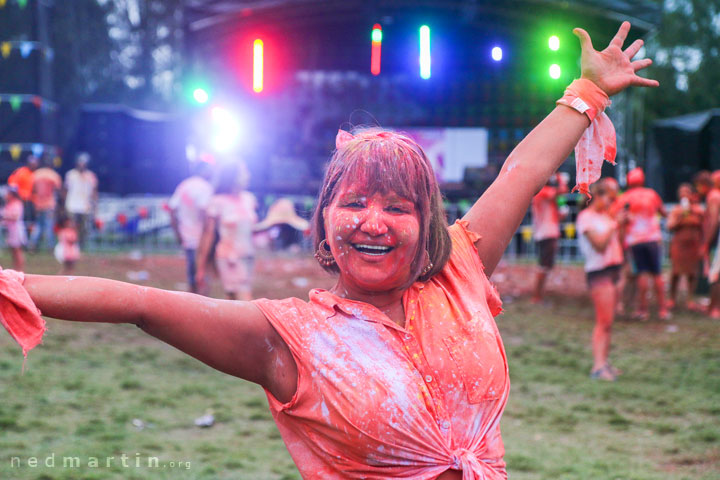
(641,207)
(81,195)
(67,250)
(12,219)
(598,235)
(187,211)
(685,222)
(546,230)
(710,183)
(23,178)
(232,213)
(46,185)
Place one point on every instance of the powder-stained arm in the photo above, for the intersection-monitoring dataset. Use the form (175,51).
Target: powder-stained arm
(231,336)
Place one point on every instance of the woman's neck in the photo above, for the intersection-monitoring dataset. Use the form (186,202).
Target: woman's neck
(388,302)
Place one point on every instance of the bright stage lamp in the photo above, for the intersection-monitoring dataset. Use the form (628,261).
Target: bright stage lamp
(555,71)
(496,54)
(200,95)
(425,52)
(554,42)
(225,130)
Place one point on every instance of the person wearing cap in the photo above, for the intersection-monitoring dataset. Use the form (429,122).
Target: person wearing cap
(638,208)
(546,230)
(81,195)
(23,178)
(188,206)
(47,184)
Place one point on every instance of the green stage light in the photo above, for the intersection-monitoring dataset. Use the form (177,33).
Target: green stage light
(554,42)
(555,71)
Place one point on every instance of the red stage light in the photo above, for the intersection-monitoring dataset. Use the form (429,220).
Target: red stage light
(376,48)
(258,66)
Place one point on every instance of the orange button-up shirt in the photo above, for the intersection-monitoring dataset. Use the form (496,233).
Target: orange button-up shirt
(376,400)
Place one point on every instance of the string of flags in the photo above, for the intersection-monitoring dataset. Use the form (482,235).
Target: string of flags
(17,99)
(20,3)
(25,48)
(37,149)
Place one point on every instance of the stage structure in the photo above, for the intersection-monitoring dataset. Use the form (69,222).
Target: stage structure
(27,113)
(292,72)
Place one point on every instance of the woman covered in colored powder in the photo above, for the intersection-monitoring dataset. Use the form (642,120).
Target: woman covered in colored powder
(686,247)
(598,234)
(398,371)
(231,212)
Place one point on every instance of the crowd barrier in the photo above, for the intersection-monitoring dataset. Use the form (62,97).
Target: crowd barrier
(143,223)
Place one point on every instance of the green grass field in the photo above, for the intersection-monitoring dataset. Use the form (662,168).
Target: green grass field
(89,387)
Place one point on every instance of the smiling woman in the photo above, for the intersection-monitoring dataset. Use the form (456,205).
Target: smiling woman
(399,370)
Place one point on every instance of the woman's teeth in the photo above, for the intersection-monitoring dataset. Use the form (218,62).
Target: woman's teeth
(372,249)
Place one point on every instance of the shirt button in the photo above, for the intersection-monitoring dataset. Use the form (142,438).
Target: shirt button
(428,378)
(445,425)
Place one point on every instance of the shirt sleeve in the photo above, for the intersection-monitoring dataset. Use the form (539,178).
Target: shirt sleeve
(581,223)
(465,264)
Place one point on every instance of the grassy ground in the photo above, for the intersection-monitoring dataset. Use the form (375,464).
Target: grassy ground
(99,391)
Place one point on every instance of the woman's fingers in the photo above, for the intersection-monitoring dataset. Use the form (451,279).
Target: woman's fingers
(640,64)
(621,35)
(645,82)
(585,41)
(633,49)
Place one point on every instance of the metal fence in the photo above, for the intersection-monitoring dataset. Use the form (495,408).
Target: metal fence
(143,223)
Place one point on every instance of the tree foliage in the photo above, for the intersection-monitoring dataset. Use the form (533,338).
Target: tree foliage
(686,50)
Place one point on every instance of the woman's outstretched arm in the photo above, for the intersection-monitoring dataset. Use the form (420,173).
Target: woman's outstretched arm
(230,336)
(498,212)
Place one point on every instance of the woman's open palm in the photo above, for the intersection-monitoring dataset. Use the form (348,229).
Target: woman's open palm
(613,69)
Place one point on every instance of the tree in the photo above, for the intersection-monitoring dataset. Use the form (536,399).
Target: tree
(686,50)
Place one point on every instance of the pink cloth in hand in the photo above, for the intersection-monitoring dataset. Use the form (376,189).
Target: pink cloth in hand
(596,145)
(18,314)
(598,142)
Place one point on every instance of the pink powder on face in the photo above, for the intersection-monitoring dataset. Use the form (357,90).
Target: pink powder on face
(18,314)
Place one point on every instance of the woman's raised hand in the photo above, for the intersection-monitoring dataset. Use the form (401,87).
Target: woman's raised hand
(613,69)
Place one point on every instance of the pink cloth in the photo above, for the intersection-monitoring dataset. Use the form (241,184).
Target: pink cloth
(545,214)
(67,249)
(18,314)
(376,400)
(644,224)
(598,142)
(598,222)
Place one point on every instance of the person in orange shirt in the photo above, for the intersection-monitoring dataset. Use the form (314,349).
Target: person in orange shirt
(23,178)
(47,184)
(546,230)
(641,207)
(398,371)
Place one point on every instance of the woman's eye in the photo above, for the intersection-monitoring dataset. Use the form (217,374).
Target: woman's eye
(398,209)
(354,204)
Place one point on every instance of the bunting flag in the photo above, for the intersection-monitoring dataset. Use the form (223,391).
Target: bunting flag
(16,100)
(20,3)
(15,151)
(38,149)
(25,48)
